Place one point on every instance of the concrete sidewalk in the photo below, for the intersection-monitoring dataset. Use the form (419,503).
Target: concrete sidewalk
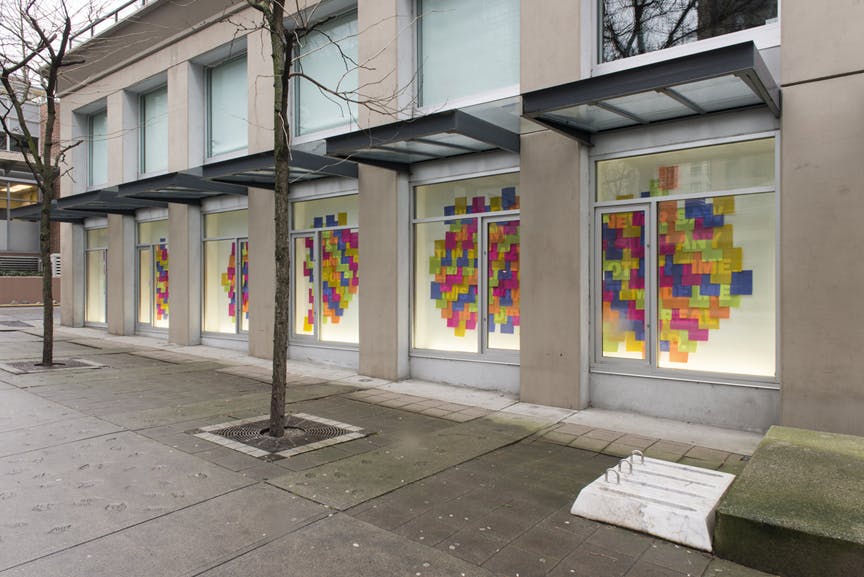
(100,476)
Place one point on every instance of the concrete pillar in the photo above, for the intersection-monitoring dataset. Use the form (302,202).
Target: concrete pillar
(184,274)
(822,198)
(550,43)
(262,272)
(178,115)
(120,276)
(384,273)
(72,277)
(552,285)
(259,72)
(379,25)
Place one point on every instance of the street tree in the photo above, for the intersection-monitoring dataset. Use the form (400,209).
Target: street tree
(35,40)
(289,25)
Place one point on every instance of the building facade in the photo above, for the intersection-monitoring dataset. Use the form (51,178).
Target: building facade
(567,200)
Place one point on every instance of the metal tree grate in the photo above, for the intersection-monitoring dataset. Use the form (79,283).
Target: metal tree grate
(303,433)
(26,367)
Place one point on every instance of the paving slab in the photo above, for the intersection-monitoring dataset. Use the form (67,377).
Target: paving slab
(797,507)
(19,409)
(59,497)
(52,433)
(342,545)
(186,542)
(353,480)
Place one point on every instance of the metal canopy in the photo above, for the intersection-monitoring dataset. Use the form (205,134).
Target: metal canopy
(258,170)
(180,187)
(401,144)
(717,80)
(33,213)
(106,201)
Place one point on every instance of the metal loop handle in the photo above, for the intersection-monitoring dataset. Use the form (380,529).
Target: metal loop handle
(617,476)
(625,462)
(637,453)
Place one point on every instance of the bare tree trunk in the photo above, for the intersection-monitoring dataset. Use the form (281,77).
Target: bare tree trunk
(282,54)
(47,293)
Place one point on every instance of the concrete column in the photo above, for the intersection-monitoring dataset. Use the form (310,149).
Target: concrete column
(118,120)
(262,272)
(259,71)
(822,198)
(184,274)
(379,25)
(178,116)
(384,273)
(550,43)
(72,277)
(552,284)
(120,276)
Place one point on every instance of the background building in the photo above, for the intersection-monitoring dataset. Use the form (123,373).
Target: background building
(552,198)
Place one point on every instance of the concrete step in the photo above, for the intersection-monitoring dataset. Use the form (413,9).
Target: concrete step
(797,509)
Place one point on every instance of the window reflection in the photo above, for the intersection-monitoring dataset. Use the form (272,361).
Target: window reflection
(632,27)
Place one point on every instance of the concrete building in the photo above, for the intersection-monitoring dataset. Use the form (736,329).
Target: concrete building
(556,199)
(19,240)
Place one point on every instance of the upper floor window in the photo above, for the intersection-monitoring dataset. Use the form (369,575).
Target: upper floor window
(154,130)
(227,107)
(466,48)
(327,55)
(97,149)
(632,27)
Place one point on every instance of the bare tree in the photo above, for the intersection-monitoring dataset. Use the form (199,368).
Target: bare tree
(304,21)
(35,38)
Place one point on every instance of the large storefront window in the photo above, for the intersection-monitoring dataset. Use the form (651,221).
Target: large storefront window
(226,272)
(325,255)
(152,264)
(466,265)
(689,283)
(466,48)
(636,27)
(95,263)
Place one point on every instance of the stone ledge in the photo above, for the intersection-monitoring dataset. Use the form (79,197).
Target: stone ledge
(797,508)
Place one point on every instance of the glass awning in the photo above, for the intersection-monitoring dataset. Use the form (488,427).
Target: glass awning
(258,170)
(106,201)
(713,81)
(33,213)
(406,142)
(180,187)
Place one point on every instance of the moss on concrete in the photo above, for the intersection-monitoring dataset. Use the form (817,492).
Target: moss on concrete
(797,508)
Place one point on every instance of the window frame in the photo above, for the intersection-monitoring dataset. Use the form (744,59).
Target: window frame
(208,111)
(139,246)
(294,100)
(239,333)
(765,36)
(649,368)
(423,109)
(142,139)
(314,340)
(91,184)
(88,249)
(484,353)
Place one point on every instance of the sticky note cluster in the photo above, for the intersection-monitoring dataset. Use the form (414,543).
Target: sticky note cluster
(339,272)
(308,259)
(454,267)
(623,262)
(161,299)
(455,273)
(508,200)
(700,276)
(503,273)
(229,280)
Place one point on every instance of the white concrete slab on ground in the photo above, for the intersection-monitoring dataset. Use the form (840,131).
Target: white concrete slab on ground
(668,500)
(491,400)
(741,442)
